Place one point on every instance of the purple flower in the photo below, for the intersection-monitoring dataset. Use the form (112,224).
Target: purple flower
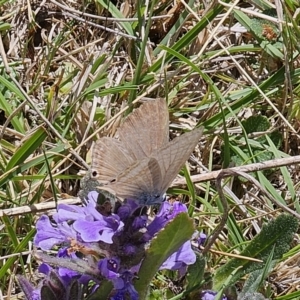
(101,230)
(124,287)
(92,197)
(45,268)
(51,287)
(184,255)
(126,210)
(210,295)
(179,259)
(105,245)
(47,236)
(67,212)
(122,280)
(109,267)
(167,212)
(201,239)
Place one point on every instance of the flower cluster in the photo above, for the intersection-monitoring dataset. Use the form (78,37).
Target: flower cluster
(95,246)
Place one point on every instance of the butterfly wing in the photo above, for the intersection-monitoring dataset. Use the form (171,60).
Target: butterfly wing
(173,155)
(139,182)
(146,129)
(109,159)
(143,163)
(148,179)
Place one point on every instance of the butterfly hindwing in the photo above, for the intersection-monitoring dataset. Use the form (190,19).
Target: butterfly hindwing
(138,182)
(172,156)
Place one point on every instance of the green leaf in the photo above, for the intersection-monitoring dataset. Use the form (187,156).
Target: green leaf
(28,148)
(276,138)
(95,85)
(39,159)
(195,274)
(256,278)
(277,233)
(4,26)
(12,88)
(167,241)
(262,30)
(291,296)
(257,123)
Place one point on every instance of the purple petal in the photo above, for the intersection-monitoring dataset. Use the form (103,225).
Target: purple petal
(166,213)
(92,197)
(202,238)
(128,207)
(184,256)
(47,236)
(109,268)
(69,213)
(94,231)
(45,268)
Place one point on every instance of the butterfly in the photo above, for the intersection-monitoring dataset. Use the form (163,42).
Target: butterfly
(140,163)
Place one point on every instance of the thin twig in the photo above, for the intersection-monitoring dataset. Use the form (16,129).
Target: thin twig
(220,227)
(268,164)
(196,178)
(16,211)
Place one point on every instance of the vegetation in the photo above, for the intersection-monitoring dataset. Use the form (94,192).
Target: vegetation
(71,71)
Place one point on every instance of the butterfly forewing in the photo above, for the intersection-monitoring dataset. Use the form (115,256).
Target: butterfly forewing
(146,129)
(109,159)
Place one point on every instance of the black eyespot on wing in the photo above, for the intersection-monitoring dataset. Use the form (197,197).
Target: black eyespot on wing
(94,173)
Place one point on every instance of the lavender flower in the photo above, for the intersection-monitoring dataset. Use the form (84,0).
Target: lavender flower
(48,236)
(166,213)
(124,287)
(103,244)
(181,258)
(201,239)
(121,279)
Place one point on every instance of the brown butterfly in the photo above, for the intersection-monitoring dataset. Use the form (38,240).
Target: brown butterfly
(141,162)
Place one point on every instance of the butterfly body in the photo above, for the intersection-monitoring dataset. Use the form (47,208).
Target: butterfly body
(142,163)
